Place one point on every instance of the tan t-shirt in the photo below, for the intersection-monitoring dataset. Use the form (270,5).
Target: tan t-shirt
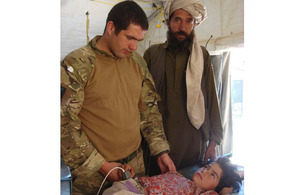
(110,115)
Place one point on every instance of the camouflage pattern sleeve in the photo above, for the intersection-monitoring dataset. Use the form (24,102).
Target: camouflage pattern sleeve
(151,120)
(76,148)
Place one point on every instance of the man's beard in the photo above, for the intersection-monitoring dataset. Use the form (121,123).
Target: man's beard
(179,46)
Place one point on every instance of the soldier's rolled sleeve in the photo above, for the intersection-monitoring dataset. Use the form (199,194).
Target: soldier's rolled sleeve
(76,148)
(151,120)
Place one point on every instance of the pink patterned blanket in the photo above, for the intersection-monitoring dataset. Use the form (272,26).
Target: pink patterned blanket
(171,183)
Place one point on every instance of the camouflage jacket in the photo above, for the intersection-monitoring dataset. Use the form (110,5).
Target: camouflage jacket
(76,148)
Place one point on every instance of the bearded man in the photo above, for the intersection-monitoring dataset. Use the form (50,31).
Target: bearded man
(184,78)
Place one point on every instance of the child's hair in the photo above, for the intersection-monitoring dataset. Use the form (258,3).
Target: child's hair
(230,177)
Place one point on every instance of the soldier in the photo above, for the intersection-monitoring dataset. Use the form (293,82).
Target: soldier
(108,102)
(184,78)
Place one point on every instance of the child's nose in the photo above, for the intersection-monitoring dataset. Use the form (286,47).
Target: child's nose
(205,171)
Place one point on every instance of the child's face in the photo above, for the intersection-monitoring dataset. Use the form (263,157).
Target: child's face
(208,177)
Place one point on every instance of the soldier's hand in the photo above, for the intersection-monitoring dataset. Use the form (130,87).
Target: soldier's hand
(115,175)
(129,168)
(165,163)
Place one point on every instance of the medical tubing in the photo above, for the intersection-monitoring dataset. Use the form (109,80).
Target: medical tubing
(107,176)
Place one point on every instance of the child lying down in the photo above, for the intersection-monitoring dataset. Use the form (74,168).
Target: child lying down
(217,177)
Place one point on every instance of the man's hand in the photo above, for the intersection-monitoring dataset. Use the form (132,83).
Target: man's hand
(210,151)
(165,163)
(115,175)
(129,168)
(226,191)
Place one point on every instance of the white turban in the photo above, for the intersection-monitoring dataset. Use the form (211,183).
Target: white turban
(193,7)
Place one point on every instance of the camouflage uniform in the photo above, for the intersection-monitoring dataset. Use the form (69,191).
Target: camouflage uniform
(77,150)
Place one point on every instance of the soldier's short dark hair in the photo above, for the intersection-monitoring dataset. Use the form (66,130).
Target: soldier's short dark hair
(125,13)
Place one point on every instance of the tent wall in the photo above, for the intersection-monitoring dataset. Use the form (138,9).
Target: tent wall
(225,23)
